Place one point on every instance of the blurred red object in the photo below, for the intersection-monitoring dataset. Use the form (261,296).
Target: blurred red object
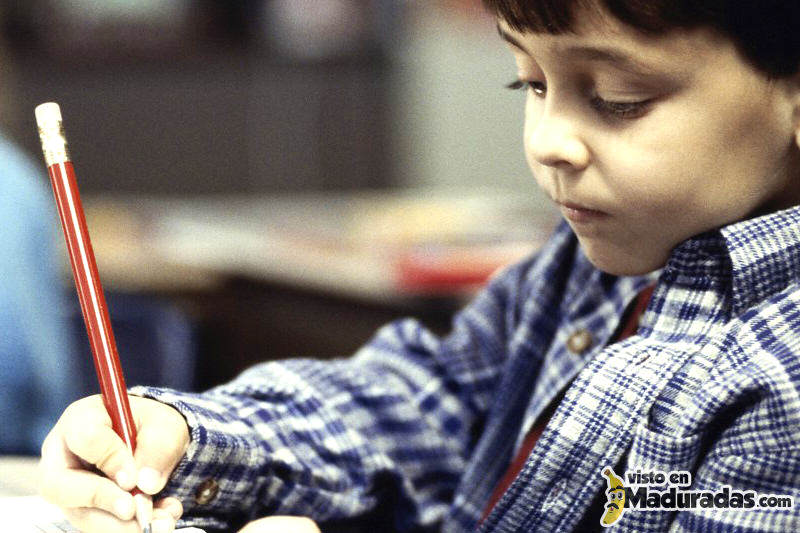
(455,269)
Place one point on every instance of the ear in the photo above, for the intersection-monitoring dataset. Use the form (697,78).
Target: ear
(796,120)
(796,123)
(794,91)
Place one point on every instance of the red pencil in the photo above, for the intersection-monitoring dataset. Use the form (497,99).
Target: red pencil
(87,282)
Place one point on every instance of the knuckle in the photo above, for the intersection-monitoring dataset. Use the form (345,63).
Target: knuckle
(96,499)
(69,411)
(108,457)
(47,492)
(94,521)
(47,443)
(75,408)
(97,445)
(86,520)
(162,515)
(76,516)
(310,525)
(81,443)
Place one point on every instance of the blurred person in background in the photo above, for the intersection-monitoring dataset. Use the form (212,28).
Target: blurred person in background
(35,345)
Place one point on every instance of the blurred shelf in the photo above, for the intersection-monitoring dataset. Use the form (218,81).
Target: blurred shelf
(378,247)
(311,275)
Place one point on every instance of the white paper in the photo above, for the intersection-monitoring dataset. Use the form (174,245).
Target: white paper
(31,514)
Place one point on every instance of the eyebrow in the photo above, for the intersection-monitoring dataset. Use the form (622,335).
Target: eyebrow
(509,38)
(591,53)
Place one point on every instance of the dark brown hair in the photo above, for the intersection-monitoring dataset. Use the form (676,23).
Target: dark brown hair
(766,32)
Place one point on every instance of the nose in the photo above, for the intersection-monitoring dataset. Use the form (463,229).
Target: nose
(552,139)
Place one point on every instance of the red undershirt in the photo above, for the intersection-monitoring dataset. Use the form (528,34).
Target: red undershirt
(630,324)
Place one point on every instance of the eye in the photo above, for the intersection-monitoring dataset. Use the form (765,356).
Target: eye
(622,110)
(538,87)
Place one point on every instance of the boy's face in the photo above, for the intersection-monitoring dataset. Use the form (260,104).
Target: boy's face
(645,142)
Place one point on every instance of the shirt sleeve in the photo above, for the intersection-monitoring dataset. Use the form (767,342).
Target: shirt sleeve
(385,433)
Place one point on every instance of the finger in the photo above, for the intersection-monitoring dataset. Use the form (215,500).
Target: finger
(96,443)
(79,488)
(97,521)
(161,443)
(171,505)
(54,453)
(163,521)
(281,524)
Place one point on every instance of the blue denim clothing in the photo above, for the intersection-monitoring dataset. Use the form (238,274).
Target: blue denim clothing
(413,432)
(36,356)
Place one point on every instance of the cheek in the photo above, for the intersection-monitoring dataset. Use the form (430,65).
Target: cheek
(526,143)
(653,177)
(670,165)
(531,119)
(539,171)
(710,156)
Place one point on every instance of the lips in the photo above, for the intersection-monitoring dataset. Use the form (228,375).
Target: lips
(581,214)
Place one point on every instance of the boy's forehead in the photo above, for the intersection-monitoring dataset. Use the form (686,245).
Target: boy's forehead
(587,20)
(598,36)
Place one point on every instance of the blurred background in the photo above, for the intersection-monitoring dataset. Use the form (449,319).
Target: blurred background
(262,179)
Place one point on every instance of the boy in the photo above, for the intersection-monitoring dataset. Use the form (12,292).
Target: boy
(669,133)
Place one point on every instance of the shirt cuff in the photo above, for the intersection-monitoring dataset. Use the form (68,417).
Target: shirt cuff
(217,476)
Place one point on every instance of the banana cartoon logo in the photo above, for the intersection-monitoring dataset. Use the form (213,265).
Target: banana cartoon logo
(616,498)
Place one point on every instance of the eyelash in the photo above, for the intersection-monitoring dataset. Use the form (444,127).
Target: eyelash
(622,110)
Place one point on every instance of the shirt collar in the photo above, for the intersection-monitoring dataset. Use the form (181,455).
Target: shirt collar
(753,258)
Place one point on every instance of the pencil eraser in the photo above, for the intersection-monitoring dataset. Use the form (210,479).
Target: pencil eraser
(51,133)
(48,113)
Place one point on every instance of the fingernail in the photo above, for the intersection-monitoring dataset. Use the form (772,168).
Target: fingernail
(149,480)
(123,507)
(162,525)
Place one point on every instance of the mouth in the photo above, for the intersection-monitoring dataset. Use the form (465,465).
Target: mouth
(612,505)
(580,214)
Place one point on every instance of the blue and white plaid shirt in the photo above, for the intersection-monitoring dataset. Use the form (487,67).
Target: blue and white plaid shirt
(413,431)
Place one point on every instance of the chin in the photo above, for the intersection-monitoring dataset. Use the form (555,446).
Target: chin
(612,260)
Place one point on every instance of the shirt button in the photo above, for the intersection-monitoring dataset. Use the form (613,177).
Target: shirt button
(579,342)
(206,492)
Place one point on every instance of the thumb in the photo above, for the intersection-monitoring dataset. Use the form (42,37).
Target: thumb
(161,442)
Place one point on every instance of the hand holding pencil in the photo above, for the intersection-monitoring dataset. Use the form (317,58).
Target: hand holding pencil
(72,449)
(88,471)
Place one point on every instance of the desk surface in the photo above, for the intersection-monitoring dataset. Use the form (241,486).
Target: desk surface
(19,476)
(374,246)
